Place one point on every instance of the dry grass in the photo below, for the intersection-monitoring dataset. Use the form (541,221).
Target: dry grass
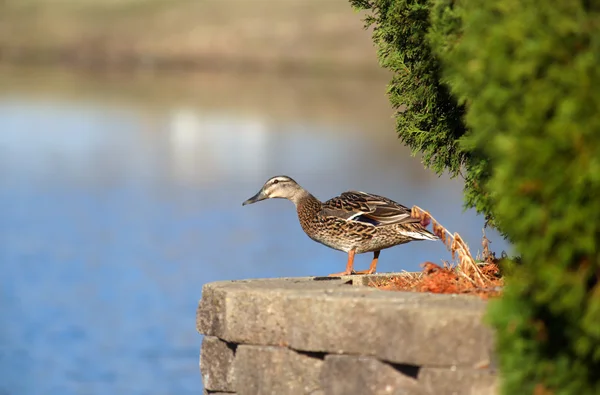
(466,277)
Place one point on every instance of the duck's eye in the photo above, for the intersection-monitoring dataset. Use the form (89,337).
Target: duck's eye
(275,181)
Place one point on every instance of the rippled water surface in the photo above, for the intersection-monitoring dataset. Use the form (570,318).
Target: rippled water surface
(120,197)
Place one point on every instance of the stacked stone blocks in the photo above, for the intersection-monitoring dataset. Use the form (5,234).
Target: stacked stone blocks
(340,337)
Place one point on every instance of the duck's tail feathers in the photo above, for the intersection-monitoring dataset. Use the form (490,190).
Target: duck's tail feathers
(420,234)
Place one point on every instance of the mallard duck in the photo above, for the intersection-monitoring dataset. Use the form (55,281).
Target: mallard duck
(354,222)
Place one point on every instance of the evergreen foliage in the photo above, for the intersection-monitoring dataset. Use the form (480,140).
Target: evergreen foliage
(428,119)
(523,118)
(530,73)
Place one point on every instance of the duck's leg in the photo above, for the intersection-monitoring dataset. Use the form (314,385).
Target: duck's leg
(373,266)
(349,265)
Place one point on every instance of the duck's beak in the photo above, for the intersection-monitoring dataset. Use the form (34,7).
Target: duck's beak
(256,198)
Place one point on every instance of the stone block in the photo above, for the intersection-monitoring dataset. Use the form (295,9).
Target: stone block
(415,329)
(267,370)
(242,315)
(346,375)
(342,315)
(454,381)
(216,364)
(252,311)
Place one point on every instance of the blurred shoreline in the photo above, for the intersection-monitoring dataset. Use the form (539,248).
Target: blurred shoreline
(283,37)
(358,101)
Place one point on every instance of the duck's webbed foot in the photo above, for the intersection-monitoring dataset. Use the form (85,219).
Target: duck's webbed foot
(345,273)
(349,266)
(373,266)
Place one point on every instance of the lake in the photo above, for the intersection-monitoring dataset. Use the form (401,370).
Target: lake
(120,196)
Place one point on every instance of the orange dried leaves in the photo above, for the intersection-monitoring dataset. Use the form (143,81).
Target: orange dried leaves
(467,277)
(444,280)
(458,248)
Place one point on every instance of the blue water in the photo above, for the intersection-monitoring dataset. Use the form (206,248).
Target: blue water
(112,217)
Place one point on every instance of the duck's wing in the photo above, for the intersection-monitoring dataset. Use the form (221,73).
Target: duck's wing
(368,208)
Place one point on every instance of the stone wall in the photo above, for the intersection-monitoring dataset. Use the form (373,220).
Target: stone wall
(339,337)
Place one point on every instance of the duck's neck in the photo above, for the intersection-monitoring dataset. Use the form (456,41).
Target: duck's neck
(307,205)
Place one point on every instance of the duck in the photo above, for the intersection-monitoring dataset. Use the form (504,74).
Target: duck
(354,222)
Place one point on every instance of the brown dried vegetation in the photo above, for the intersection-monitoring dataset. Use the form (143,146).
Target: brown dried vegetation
(481,278)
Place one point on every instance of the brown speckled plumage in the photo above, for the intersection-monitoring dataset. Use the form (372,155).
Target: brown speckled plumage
(354,222)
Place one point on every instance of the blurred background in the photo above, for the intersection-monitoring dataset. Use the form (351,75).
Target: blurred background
(130,133)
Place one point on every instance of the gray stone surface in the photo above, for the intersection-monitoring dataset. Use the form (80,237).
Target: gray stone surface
(401,331)
(267,370)
(368,279)
(347,375)
(250,311)
(453,381)
(372,341)
(216,364)
(344,316)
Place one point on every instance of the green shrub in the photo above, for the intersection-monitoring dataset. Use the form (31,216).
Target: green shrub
(428,119)
(528,75)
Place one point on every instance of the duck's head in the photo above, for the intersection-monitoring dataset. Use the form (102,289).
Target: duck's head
(278,187)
